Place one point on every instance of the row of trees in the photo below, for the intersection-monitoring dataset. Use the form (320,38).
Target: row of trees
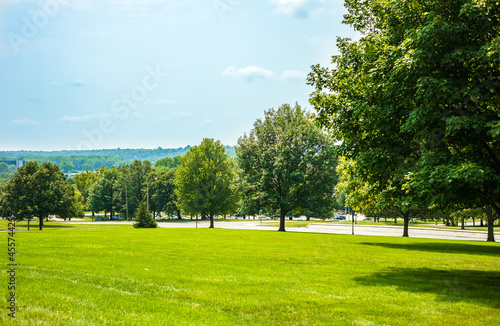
(286,164)
(416,105)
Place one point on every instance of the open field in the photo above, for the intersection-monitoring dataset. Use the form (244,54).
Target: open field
(126,276)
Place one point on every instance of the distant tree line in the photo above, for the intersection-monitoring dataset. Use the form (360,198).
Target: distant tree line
(77,161)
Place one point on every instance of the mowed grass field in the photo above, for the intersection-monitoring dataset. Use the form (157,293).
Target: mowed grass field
(126,276)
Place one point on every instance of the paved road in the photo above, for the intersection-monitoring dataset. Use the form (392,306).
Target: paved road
(393,231)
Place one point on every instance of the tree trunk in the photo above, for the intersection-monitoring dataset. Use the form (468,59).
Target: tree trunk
(28,224)
(481,223)
(491,220)
(290,218)
(406,218)
(244,217)
(473,221)
(41,223)
(211,221)
(308,218)
(282,220)
(463,223)
(395,220)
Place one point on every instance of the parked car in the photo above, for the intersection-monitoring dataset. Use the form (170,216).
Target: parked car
(115,218)
(339,218)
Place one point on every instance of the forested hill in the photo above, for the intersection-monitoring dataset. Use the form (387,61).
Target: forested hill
(74,160)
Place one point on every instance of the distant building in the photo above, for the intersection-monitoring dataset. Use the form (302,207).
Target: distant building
(17,163)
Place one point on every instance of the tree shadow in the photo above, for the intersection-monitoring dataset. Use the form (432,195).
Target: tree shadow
(453,248)
(482,287)
(46,226)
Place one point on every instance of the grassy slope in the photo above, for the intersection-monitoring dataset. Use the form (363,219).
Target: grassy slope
(222,277)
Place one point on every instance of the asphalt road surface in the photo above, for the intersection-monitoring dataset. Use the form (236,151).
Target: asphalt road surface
(375,230)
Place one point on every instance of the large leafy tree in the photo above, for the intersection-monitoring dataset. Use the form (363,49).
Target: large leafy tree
(204,180)
(415,100)
(287,162)
(38,191)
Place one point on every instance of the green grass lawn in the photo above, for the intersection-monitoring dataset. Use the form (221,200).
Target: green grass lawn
(126,276)
(59,225)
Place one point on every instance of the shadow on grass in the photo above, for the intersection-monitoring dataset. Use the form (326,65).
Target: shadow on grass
(482,287)
(47,226)
(454,248)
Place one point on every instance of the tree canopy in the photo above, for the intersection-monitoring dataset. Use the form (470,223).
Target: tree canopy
(39,191)
(204,180)
(287,162)
(415,101)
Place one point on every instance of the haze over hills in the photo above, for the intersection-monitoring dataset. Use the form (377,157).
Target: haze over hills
(124,153)
(75,160)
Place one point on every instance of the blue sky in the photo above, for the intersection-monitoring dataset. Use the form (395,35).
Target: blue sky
(83,74)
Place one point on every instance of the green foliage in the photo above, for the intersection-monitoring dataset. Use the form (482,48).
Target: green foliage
(103,195)
(137,176)
(162,193)
(204,180)
(166,164)
(287,162)
(143,218)
(4,167)
(38,191)
(415,101)
(83,182)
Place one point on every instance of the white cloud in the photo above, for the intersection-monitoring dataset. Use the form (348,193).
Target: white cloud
(77,83)
(84,118)
(24,122)
(181,114)
(250,72)
(293,74)
(298,8)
